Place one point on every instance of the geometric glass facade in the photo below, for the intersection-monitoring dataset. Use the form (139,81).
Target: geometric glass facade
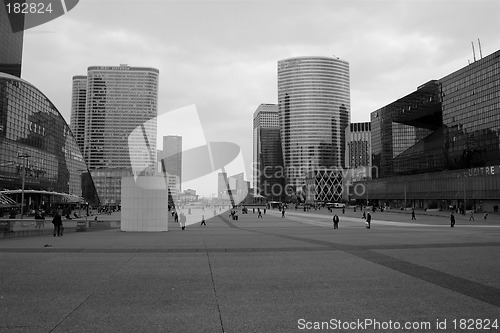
(314,111)
(407,134)
(447,124)
(324,185)
(440,145)
(11,46)
(30,125)
(471,114)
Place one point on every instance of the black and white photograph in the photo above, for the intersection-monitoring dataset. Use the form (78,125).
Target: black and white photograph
(233,166)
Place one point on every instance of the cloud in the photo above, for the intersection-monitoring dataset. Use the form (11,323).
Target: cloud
(222,55)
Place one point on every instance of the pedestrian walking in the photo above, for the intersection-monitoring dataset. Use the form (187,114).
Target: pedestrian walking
(176,217)
(203,220)
(413,214)
(57,222)
(485,216)
(283,213)
(260,213)
(471,217)
(183,221)
(343,210)
(264,210)
(452,220)
(335,221)
(364,215)
(368,221)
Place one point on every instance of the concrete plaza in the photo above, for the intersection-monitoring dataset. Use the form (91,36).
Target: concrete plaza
(258,275)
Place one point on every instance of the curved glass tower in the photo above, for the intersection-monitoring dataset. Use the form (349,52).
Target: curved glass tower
(36,140)
(314,110)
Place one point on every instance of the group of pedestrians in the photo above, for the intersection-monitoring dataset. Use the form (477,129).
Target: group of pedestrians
(366,216)
(182,219)
(471,217)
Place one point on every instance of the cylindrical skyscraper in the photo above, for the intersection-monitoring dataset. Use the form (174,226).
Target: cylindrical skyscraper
(314,110)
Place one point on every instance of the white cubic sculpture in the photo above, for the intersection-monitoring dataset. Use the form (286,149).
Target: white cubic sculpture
(144,204)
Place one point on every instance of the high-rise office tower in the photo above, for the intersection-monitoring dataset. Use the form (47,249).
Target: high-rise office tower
(118,100)
(359,151)
(78,102)
(439,146)
(267,154)
(314,111)
(172,155)
(171,164)
(358,145)
(11,46)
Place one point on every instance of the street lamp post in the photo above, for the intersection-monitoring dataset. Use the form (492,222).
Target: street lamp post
(464,182)
(465,198)
(25,156)
(367,201)
(405,198)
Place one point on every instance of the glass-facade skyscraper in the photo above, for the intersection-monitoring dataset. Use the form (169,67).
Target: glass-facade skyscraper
(11,46)
(314,111)
(78,104)
(171,165)
(439,146)
(358,145)
(172,156)
(267,153)
(407,134)
(118,100)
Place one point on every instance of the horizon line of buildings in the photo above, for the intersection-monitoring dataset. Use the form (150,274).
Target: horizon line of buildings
(437,147)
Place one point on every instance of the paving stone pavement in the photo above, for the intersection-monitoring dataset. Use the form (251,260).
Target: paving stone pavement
(258,275)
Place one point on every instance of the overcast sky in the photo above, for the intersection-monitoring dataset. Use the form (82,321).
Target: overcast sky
(222,55)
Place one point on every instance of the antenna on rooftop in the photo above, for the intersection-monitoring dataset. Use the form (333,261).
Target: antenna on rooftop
(473,51)
(480,51)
